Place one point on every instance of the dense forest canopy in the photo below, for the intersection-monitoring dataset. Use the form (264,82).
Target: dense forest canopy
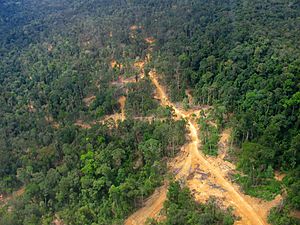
(241,57)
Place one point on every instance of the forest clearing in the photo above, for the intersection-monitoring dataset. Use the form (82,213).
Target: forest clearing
(188,167)
(149,112)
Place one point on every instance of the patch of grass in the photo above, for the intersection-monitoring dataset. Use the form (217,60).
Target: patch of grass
(267,190)
(281,216)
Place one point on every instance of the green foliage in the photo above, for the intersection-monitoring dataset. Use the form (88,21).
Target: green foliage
(163,112)
(67,134)
(281,216)
(102,175)
(105,103)
(267,189)
(244,68)
(56,53)
(255,158)
(180,208)
(209,135)
(292,181)
(256,162)
(140,100)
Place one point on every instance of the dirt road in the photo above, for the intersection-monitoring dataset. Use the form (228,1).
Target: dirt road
(243,208)
(204,177)
(151,208)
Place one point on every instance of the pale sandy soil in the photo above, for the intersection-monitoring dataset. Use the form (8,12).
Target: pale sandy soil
(150,40)
(135,27)
(82,124)
(223,144)
(205,176)
(50,48)
(122,102)
(5,199)
(151,207)
(279,176)
(121,81)
(190,98)
(31,107)
(57,221)
(139,65)
(51,121)
(114,117)
(89,100)
(114,63)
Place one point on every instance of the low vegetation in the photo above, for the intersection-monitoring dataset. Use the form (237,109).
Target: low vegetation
(55,54)
(209,136)
(181,208)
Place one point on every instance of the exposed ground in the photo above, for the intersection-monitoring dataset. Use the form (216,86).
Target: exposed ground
(51,121)
(89,100)
(31,107)
(5,199)
(122,101)
(296,214)
(135,27)
(151,207)
(279,176)
(115,64)
(205,176)
(150,40)
(57,221)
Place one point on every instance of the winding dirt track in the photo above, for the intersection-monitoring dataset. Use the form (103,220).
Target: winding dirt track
(188,163)
(205,176)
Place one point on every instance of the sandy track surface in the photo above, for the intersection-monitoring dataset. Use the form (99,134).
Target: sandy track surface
(151,208)
(205,176)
